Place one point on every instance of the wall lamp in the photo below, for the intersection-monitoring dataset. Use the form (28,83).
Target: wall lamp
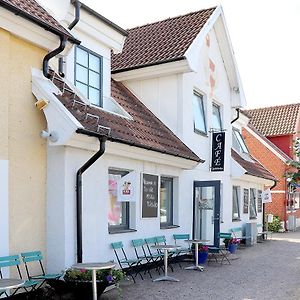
(52,136)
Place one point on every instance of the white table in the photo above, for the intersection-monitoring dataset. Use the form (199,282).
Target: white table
(196,242)
(166,248)
(94,267)
(8,283)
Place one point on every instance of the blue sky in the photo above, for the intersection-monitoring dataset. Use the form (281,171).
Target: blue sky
(265,35)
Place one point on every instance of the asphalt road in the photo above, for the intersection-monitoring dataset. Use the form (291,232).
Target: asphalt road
(268,270)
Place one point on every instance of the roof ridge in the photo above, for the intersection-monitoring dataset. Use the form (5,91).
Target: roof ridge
(171,18)
(271,107)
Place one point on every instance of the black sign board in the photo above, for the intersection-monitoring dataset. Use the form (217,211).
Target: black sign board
(149,196)
(217,155)
(259,201)
(246,201)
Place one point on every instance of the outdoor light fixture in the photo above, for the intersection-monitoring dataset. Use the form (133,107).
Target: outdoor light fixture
(236,89)
(41,104)
(52,136)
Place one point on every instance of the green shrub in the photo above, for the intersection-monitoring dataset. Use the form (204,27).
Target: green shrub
(275,226)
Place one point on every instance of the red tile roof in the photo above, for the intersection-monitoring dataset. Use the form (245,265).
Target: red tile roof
(145,130)
(160,42)
(32,11)
(275,120)
(253,167)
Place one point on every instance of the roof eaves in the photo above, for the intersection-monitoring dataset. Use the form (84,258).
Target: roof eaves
(37,21)
(148,65)
(103,19)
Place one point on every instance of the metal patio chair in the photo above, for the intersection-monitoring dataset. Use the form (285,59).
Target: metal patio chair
(172,254)
(35,258)
(129,266)
(221,251)
(14,261)
(157,256)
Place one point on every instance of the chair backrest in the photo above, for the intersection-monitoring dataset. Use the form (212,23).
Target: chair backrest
(117,245)
(237,232)
(161,240)
(139,249)
(118,248)
(149,242)
(10,261)
(181,237)
(33,256)
(224,235)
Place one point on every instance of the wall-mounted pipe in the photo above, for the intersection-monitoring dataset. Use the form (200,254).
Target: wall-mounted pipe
(237,115)
(80,171)
(59,49)
(77,5)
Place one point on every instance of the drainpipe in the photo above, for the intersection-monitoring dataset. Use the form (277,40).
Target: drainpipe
(90,162)
(264,227)
(59,49)
(237,116)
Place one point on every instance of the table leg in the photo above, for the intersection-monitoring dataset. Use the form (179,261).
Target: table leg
(94,284)
(196,254)
(166,261)
(196,266)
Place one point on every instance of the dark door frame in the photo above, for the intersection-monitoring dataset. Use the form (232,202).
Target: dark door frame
(217,185)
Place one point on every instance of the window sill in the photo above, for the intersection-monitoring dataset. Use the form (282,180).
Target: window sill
(253,218)
(121,231)
(168,226)
(236,220)
(204,134)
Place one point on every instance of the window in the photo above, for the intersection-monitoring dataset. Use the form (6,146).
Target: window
(253,211)
(246,201)
(166,201)
(88,75)
(238,142)
(259,201)
(199,113)
(118,213)
(235,203)
(216,117)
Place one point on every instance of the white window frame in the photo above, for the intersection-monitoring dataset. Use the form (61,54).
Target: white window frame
(201,111)
(219,117)
(236,191)
(239,140)
(170,213)
(253,193)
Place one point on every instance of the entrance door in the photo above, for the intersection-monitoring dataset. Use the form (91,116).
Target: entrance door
(207,211)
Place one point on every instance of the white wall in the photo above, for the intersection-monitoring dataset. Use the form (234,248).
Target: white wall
(4,212)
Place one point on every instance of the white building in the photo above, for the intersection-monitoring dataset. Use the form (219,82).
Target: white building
(174,84)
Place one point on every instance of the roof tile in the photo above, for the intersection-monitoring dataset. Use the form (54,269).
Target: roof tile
(160,42)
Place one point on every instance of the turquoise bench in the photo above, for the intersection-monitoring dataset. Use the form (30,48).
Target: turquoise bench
(237,232)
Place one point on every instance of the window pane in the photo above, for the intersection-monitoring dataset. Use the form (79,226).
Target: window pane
(82,74)
(81,57)
(259,201)
(253,212)
(94,63)
(94,79)
(216,117)
(198,109)
(94,96)
(238,142)
(235,203)
(118,211)
(82,88)
(166,201)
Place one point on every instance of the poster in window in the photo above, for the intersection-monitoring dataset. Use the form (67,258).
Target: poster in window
(217,151)
(127,187)
(149,195)
(246,201)
(259,201)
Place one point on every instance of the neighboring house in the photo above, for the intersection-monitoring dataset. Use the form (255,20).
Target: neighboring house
(27,33)
(131,156)
(276,161)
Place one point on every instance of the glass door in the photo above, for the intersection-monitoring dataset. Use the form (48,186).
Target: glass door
(207,211)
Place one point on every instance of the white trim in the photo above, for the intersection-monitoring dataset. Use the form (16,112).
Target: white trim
(27,30)
(4,211)
(276,153)
(278,192)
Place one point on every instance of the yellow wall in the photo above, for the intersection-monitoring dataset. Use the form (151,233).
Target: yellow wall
(21,145)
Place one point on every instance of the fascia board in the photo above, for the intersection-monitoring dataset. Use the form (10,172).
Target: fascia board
(257,180)
(156,71)
(27,30)
(59,119)
(237,171)
(274,151)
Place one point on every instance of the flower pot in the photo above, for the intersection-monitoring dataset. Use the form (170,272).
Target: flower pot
(202,257)
(232,248)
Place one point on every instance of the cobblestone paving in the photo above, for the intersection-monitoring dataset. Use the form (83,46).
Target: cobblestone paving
(269,270)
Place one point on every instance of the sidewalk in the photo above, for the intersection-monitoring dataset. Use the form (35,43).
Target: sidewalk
(268,270)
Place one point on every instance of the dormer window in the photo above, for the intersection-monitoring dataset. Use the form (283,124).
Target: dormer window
(88,74)
(216,117)
(238,142)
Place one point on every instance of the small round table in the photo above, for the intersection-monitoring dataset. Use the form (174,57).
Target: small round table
(7,283)
(196,242)
(166,248)
(94,267)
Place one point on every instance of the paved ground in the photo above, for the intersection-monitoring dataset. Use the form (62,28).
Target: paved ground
(268,270)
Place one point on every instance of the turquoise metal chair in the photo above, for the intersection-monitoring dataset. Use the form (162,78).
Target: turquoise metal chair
(14,261)
(215,252)
(129,266)
(35,258)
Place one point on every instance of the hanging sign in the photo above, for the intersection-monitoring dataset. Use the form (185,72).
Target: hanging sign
(127,187)
(218,147)
(266,196)
(149,196)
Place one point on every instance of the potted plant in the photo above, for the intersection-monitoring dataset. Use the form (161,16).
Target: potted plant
(202,253)
(232,244)
(79,282)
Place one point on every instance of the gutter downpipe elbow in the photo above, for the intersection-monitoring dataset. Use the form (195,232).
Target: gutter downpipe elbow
(237,116)
(59,49)
(77,5)
(80,171)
